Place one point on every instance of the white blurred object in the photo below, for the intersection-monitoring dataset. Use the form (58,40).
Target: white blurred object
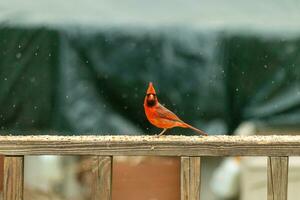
(225,180)
(246,129)
(52,175)
(43,172)
(71,187)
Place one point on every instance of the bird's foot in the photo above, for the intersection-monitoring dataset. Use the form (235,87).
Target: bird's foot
(161,133)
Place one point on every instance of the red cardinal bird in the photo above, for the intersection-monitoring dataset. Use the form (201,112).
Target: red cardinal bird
(160,116)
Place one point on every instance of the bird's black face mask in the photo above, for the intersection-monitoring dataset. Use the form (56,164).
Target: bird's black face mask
(151,100)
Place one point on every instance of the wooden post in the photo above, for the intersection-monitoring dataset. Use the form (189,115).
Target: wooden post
(277,178)
(184,178)
(1,173)
(102,178)
(190,178)
(195,178)
(13,177)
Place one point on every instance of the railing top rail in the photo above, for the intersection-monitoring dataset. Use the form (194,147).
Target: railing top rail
(151,145)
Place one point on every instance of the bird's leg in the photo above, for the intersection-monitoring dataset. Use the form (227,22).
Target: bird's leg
(162,132)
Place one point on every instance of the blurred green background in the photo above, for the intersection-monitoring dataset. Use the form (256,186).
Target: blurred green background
(84,68)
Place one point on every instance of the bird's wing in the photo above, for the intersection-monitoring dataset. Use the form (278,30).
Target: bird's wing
(165,113)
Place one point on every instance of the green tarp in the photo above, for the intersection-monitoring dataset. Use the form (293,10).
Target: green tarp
(78,79)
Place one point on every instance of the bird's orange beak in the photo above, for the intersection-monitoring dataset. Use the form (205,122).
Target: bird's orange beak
(151,89)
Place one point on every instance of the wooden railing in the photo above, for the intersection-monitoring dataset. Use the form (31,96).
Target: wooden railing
(190,149)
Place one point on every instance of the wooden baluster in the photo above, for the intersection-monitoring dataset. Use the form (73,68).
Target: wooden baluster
(1,175)
(190,178)
(102,178)
(277,178)
(13,177)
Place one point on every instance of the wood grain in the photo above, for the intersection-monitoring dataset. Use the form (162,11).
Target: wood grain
(1,173)
(277,178)
(184,178)
(13,177)
(150,145)
(102,178)
(1,176)
(195,178)
(190,178)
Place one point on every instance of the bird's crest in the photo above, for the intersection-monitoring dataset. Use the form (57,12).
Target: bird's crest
(151,89)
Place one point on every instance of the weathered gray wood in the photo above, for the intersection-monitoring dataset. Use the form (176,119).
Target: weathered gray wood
(277,178)
(150,145)
(102,178)
(184,178)
(1,174)
(190,178)
(13,178)
(195,178)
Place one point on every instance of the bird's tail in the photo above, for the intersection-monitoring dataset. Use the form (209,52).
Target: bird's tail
(195,129)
